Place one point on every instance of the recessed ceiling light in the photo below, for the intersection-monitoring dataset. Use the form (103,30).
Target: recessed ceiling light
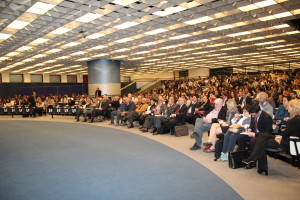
(169,11)
(53,51)
(199,41)
(18,24)
(147,44)
(180,36)
(121,50)
(238,34)
(4,36)
(99,47)
(281,26)
(282,15)
(39,56)
(62,57)
(124,2)
(40,40)
(40,8)
(12,54)
(264,43)
(156,31)
(221,28)
(252,39)
(88,17)
(71,44)
(265,3)
(248,8)
(60,30)
(95,35)
(78,53)
(199,20)
(24,48)
(168,47)
(126,25)
(123,40)
(28,60)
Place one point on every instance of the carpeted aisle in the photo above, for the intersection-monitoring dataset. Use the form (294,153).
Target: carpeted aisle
(52,160)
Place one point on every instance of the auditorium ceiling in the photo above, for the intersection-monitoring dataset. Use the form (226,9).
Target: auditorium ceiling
(148,36)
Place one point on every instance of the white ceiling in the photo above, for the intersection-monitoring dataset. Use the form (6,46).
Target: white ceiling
(148,36)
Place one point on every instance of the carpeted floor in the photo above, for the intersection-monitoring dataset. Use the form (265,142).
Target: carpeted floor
(52,160)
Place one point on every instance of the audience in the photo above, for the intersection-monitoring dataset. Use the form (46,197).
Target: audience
(211,104)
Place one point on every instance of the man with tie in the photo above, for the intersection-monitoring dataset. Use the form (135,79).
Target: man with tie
(260,122)
(191,110)
(179,115)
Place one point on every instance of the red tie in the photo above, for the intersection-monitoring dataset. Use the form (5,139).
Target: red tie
(177,111)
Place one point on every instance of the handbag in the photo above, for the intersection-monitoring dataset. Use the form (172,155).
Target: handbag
(181,131)
(235,158)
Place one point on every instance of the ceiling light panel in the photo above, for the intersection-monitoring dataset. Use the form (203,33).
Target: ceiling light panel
(18,24)
(4,36)
(88,17)
(60,30)
(40,8)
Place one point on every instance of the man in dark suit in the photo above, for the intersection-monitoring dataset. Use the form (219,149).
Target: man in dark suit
(98,93)
(101,108)
(244,100)
(159,118)
(260,122)
(178,116)
(191,110)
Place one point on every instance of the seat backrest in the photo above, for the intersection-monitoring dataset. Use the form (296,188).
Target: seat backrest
(294,146)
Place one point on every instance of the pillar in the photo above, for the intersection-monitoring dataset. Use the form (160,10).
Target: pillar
(105,74)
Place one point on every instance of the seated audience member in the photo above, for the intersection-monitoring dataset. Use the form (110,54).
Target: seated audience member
(260,122)
(212,97)
(239,125)
(262,98)
(244,100)
(191,109)
(49,103)
(217,112)
(159,118)
(203,108)
(101,108)
(178,116)
(274,95)
(282,115)
(149,112)
(40,106)
(225,96)
(221,126)
(294,95)
(159,109)
(89,110)
(82,109)
(129,107)
(266,140)
(117,113)
(139,111)
(115,103)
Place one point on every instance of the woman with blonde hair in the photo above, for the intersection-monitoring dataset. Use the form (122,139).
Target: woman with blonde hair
(266,140)
(222,126)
